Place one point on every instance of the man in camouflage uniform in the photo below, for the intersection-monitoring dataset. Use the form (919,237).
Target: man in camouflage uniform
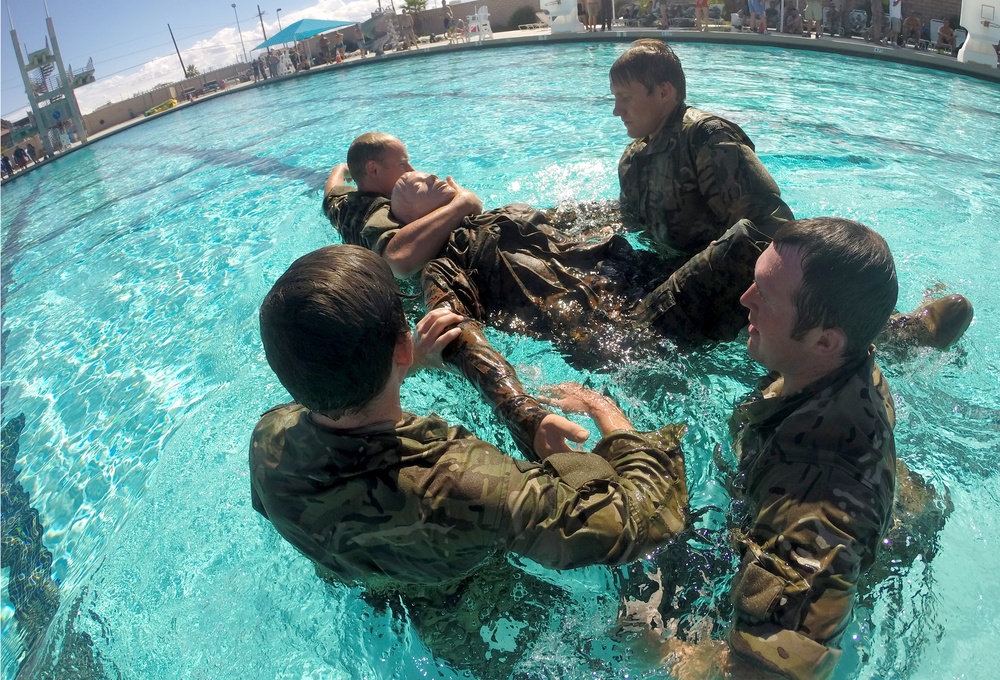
(688,180)
(817,461)
(689,177)
(383,498)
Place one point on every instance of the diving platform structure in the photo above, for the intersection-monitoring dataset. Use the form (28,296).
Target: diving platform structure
(50,88)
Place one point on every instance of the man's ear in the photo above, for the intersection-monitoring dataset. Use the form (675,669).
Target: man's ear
(403,353)
(830,343)
(667,92)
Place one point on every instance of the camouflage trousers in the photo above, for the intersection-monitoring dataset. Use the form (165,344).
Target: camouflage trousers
(596,311)
(483,623)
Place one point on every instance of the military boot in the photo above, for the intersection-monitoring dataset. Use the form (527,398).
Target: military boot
(936,323)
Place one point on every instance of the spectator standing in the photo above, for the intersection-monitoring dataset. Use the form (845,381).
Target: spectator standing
(758,20)
(30,149)
(20,158)
(701,14)
(406,23)
(359,36)
(324,49)
(449,18)
(339,49)
(593,9)
(841,24)
(607,15)
(6,169)
(878,15)
(895,21)
(814,17)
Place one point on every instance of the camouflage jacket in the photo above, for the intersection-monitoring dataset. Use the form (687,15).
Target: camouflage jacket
(817,471)
(694,180)
(362,218)
(422,502)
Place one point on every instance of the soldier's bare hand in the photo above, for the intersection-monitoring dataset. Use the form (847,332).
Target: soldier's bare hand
(432,334)
(575,398)
(554,434)
(468,199)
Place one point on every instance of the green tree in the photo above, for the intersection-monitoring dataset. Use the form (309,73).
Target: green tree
(191,71)
(415,5)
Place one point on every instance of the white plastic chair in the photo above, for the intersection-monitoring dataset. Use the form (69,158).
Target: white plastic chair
(479,24)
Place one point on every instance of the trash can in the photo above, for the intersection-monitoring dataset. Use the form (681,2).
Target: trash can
(735,21)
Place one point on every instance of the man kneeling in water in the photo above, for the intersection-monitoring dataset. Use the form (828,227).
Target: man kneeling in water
(410,507)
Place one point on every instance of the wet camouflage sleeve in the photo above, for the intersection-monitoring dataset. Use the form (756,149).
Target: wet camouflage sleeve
(628,497)
(701,300)
(497,383)
(820,491)
(362,219)
(734,182)
(425,503)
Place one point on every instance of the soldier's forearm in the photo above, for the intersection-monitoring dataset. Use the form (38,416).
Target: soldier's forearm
(496,380)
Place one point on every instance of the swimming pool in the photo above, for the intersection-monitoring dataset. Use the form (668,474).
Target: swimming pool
(132,272)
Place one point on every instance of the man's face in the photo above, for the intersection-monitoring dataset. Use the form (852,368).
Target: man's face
(418,193)
(771,302)
(642,111)
(387,171)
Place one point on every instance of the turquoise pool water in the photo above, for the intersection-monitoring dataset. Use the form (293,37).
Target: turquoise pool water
(132,271)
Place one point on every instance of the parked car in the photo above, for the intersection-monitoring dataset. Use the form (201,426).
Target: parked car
(210,86)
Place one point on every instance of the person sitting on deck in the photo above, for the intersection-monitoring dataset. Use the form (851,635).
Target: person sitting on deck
(912,27)
(793,21)
(418,511)
(946,37)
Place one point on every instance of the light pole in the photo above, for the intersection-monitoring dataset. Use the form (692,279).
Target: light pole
(277,13)
(241,34)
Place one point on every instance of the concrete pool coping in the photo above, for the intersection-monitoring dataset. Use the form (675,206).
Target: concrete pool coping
(854,47)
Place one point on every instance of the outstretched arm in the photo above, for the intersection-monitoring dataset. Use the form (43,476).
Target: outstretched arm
(417,243)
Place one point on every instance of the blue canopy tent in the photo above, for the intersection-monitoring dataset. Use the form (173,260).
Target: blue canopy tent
(300,30)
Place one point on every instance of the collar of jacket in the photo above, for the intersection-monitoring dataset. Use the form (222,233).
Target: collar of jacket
(758,410)
(660,142)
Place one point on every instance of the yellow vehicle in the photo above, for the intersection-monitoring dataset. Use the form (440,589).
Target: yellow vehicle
(169,104)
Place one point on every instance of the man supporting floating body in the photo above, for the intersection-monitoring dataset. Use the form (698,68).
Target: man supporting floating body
(409,505)
(690,176)
(817,462)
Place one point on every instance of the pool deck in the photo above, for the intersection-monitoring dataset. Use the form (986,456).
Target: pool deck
(720,35)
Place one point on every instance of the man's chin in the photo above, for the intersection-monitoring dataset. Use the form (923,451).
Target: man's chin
(753,348)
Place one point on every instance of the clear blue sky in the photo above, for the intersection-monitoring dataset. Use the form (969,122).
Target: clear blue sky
(131,46)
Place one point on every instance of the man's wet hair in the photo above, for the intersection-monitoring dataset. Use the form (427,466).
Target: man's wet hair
(650,62)
(848,279)
(368,147)
(330,325)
